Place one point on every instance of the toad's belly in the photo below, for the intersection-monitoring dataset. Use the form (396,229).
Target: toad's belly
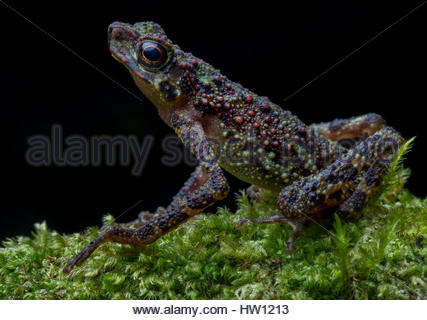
(255,169)
(253,175)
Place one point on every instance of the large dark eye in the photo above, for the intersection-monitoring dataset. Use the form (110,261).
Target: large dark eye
(152,54)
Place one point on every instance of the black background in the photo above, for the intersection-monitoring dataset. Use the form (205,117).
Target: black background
(271,49)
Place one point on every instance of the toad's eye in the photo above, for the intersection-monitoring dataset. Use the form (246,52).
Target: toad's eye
(152,54)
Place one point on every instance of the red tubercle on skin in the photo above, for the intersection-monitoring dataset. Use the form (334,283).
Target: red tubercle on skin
(238,120)
(133,34)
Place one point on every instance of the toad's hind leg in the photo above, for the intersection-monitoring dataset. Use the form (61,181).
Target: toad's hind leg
(348,182)
(298,227)
(367,186)
(355,127)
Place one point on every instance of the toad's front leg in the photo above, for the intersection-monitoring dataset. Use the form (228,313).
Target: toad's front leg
(206,185)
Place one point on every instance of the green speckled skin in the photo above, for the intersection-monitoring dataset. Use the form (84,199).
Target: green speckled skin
(228,127)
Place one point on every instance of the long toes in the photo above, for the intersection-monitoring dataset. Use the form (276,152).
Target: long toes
(86,252)
(77,260)
(70,265)
(241,223)
(290,245)
(68,268)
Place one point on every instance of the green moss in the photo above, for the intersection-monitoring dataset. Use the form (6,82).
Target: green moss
(379,256)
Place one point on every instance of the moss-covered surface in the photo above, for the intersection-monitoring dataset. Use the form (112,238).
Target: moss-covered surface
(382,255)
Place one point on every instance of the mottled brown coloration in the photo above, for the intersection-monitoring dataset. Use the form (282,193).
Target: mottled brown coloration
(228,127)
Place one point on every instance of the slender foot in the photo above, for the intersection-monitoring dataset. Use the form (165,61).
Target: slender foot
(85,253)
(273,219)
(142,236)
(299,227)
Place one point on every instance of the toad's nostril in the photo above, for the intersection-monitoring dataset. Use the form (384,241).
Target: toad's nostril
(115,33)
(114,29)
